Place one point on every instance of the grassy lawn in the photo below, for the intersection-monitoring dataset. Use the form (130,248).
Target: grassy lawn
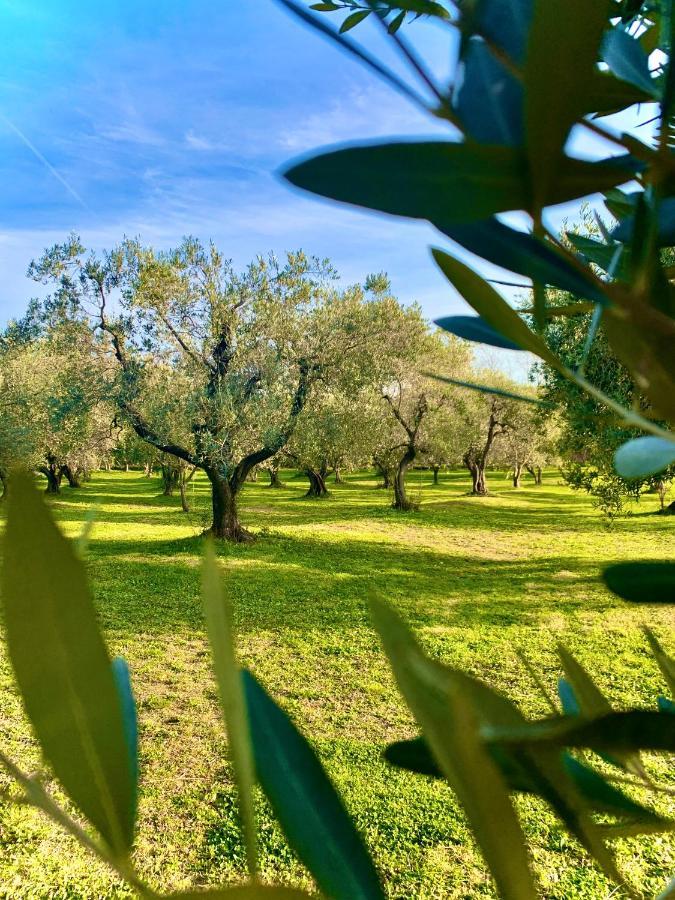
(477,578)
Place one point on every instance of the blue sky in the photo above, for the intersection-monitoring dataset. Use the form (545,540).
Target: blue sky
(161,120)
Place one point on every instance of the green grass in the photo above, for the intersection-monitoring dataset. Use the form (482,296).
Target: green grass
(476,578)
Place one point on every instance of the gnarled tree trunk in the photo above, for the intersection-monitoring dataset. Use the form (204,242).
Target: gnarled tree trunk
(476,467)
(337,476)
(275,480)
(70,476)
(53,475)
(224,505)
(517,474)
(317,483)
(4,484)
(436,470)
(401,500)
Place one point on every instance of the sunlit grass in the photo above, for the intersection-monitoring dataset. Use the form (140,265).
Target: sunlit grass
(477,578)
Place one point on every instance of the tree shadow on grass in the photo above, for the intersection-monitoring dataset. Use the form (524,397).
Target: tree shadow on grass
(303,583)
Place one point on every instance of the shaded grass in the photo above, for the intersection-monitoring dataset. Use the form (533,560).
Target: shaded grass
(476,578)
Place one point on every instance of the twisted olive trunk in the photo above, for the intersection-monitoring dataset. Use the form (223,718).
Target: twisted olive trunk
(317,483)
(71,476)
(401,500)
(476,467)
(224,506)
(275,480)
(53,475)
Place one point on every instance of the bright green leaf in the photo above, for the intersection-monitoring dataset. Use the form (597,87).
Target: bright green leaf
(561,59)
(63,669)
(449,723)
(221,637)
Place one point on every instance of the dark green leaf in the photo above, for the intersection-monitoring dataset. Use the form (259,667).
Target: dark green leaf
(491,306)
(627,60)
(604,797)
(396,22)
(605,95)
(666,225)
(415,756)
(221,638)
(122,678)
(612,258)
(524,254)
(62,667)
(305,802)
(448,719)
(561,59)
(443,181)
(489,101)
(353,20)
(593,704)
(621,203)
(644,456)
(473,328)
(506,23)
(642,582)
(616,732)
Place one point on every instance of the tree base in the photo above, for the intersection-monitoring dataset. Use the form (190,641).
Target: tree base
(235,534)
(405,506)
(667,510)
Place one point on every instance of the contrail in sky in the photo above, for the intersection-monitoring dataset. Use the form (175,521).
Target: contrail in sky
(45,162)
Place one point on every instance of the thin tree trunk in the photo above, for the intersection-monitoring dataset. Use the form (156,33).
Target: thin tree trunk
(517,474)
(436,469)
(5,485)
(338,479)
(225,523)
(317,484)
(401,500)
(185,506)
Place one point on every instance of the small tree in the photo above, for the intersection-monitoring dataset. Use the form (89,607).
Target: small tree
(419,402)
(486,420)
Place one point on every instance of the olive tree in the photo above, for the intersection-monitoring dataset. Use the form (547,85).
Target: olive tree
(416,400)
(214,366)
